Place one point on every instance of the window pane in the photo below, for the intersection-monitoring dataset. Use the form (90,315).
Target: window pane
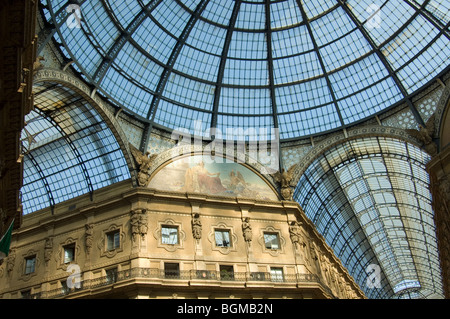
(222,238)
(113,240)
(226,272)
(69,253)
(271,241)
(171,270)
(116,240)
(30,265)
(111,275)
(276,274)
(169,235)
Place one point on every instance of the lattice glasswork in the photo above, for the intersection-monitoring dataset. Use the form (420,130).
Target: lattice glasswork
(68,149)
(369,198)
(304,67)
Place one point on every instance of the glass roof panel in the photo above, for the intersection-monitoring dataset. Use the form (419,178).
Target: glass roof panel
(154,40)
(409,42)
(315,8)
(439,9)
(331,26)
(171,16)
(185,117)
(395,13)
(292,41)
(198,64)
(124,11)
(218,12)
(251,16)
(303,95)
(189,92)
(284,14)
(245,101)
(355,67)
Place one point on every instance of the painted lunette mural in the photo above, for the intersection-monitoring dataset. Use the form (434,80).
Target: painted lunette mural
(193,174)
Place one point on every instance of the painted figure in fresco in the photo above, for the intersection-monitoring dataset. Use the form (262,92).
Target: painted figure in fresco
(199,179)
(192,176)
(236,179)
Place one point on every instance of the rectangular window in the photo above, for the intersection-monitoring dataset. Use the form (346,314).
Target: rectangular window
(222,238)
(171,270)
(271,240)
(26,294)
(226,272)
(276,274)
(30,264)
(64,288)
(113,240)
(69,253)
(169,235)
(111,275)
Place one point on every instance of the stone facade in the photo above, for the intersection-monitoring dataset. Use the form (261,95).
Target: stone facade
(117,245)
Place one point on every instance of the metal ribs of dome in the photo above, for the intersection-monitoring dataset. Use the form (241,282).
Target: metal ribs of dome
(303,67)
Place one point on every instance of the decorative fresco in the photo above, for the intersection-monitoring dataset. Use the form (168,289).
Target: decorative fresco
(193,175)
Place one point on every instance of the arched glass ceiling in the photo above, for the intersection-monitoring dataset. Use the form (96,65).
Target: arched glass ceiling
(304,67)
(68,149)
(370,200)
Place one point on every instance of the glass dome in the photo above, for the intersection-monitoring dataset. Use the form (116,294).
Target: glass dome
(303,67)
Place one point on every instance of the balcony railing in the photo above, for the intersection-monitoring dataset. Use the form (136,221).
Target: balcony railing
(186,275)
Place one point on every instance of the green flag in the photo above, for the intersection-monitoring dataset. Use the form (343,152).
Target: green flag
(5,242)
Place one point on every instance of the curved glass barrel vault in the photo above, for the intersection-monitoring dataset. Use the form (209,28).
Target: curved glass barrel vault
(370,200)
(68,149)
(302,66)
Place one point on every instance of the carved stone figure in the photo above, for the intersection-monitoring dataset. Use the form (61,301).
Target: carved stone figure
(143,225)
(134,223)
(325,262)
(284,178)
(144,162)
(444,190)
(425,135)
(297,238)
(196,226)
(89,231)
(37,65)
(333,275)
(11,261)
(48,249)
(247,230)
(295,233)
(138,222)
(315,258)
